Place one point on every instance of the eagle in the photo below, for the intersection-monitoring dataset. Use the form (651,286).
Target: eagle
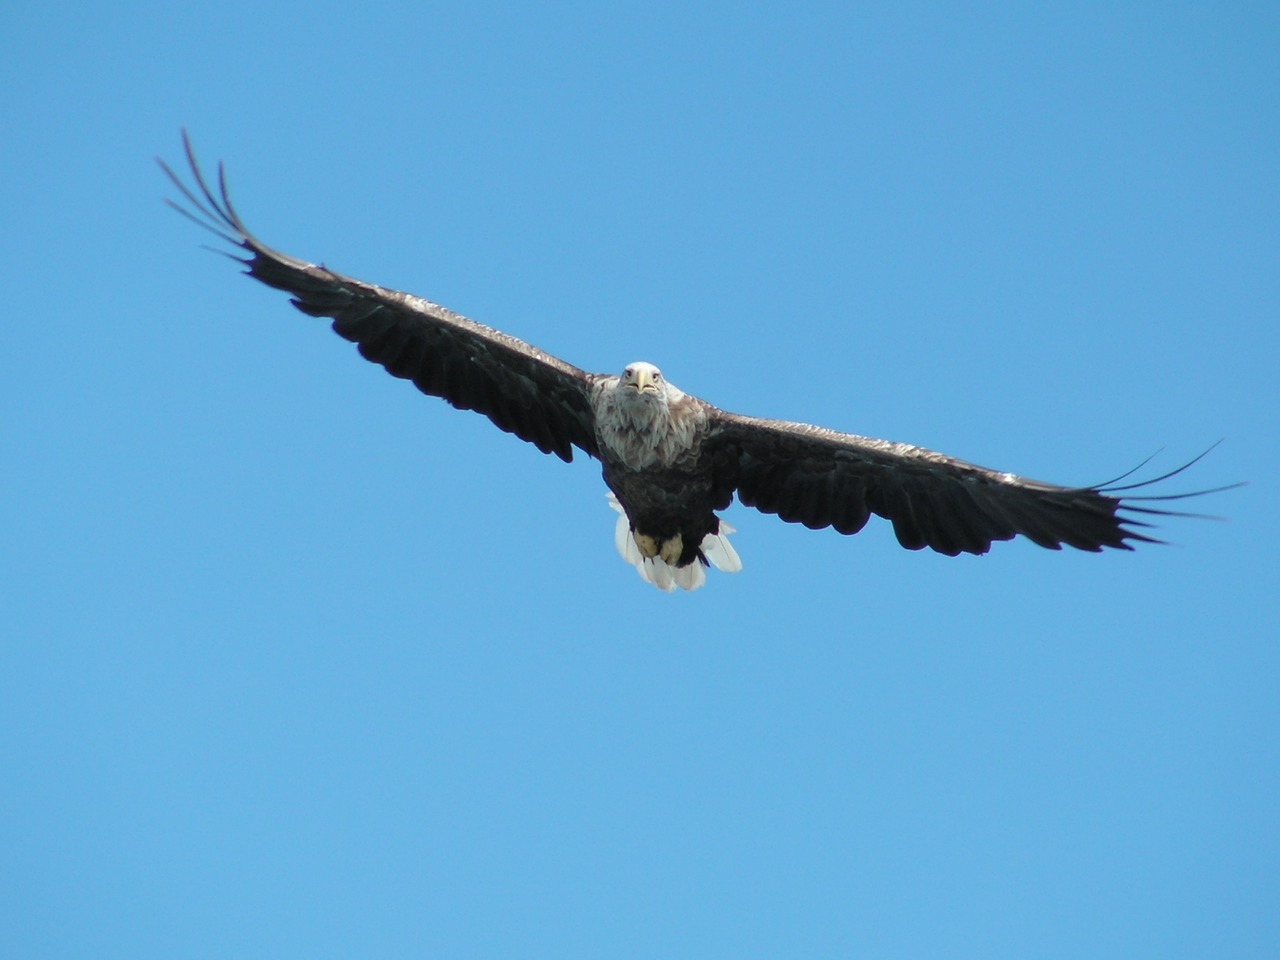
(670,460)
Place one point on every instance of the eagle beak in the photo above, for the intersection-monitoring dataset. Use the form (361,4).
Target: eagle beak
(645,383)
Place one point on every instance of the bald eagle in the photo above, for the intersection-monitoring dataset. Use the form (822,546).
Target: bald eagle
(671,460)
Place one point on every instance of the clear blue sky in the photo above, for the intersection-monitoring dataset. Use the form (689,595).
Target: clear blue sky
(295,662)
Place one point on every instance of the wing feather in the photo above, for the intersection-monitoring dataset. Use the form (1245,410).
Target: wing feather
(822,478)
(523,390)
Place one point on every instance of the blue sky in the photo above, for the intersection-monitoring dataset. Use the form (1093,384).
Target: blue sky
(295,662)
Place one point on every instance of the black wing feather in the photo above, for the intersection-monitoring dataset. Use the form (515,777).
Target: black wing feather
(520,388)
(822,478)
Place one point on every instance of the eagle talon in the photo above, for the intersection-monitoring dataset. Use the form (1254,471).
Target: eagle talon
(647,545)
(668,550)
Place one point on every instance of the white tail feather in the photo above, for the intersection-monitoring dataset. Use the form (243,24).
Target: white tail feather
(715,547)
(622,538)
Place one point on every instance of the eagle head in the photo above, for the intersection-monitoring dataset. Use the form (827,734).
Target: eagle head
(644,379)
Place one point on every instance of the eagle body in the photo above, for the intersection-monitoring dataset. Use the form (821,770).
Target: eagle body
(650,436)
(671,460)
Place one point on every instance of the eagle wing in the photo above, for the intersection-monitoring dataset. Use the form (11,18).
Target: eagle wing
(523,390)
(821,478)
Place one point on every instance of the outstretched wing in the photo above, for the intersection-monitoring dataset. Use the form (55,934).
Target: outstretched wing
(520,388)
(822,478)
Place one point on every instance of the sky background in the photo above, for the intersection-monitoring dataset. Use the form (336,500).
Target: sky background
(295,662)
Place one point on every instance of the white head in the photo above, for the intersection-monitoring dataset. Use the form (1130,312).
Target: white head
(643,378)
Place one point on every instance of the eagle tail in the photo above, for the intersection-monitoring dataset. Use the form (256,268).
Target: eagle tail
(715,550)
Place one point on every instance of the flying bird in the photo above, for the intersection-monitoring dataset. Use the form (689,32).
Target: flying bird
(670,460)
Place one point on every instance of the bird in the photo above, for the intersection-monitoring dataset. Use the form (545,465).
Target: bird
(672,462)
